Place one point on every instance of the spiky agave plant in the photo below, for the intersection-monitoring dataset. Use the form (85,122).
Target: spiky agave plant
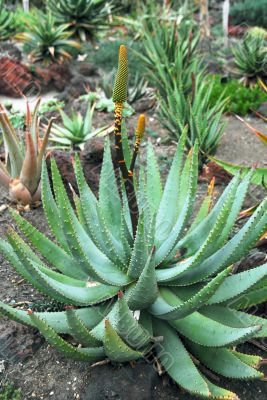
(21,172)
(85,16)
(136,278)
(203,118)
(251,57)
(47,41)
(76,130)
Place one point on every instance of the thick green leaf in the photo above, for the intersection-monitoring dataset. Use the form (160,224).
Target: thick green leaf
(173,355)
(109,198)
(145,291)
(98,266)
(115,348)
(53,253)
(51,210)
(259,176)
(231,252)
(236,319)
(213,334)
(140,250)
(166,214)
(223,362)
(153,183)
(237,284)
(128,328)
(79,331)
(187,197)
(84,354)
(90,316)
(168,306)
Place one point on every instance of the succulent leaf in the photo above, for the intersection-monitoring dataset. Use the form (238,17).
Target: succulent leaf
(166,306)
(172,355)
(139,296)
(116,349)
(154,186)
(83,354)
(79,331)
(224,362)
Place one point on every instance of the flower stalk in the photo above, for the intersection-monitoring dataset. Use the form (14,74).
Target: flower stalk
(119,98)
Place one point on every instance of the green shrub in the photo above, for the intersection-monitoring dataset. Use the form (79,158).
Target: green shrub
(24,20)
(9,392)
(249,12)
(51,106)
(241,99)
(174,67)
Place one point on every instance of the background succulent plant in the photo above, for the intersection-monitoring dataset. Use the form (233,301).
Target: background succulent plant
(159,287)
(203,118)
(21,172)
(250,13)
(174,68)
(170,55)
(7,26)
(76,130)
(85,16)
(251,57)
(47,41)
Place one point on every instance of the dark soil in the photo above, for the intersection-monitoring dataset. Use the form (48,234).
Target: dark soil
(42,373)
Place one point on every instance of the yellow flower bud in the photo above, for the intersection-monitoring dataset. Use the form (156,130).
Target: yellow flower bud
(141,126)
(120,86)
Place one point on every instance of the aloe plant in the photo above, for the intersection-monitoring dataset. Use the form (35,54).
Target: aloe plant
(47,41)
(251,57)
(76,130)
(170,55)
(21,172)
(174,68)
(7,25)
(196,110)
(136,277)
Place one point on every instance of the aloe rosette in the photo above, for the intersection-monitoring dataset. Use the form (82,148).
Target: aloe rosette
(166,288)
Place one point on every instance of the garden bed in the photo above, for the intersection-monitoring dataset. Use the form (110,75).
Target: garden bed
(42,373)
(157,280)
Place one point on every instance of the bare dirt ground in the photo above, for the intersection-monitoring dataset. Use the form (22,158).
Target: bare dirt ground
(42,373)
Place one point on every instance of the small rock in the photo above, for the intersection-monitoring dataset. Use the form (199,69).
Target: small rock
(2,366)
(112,383)
(17,342)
